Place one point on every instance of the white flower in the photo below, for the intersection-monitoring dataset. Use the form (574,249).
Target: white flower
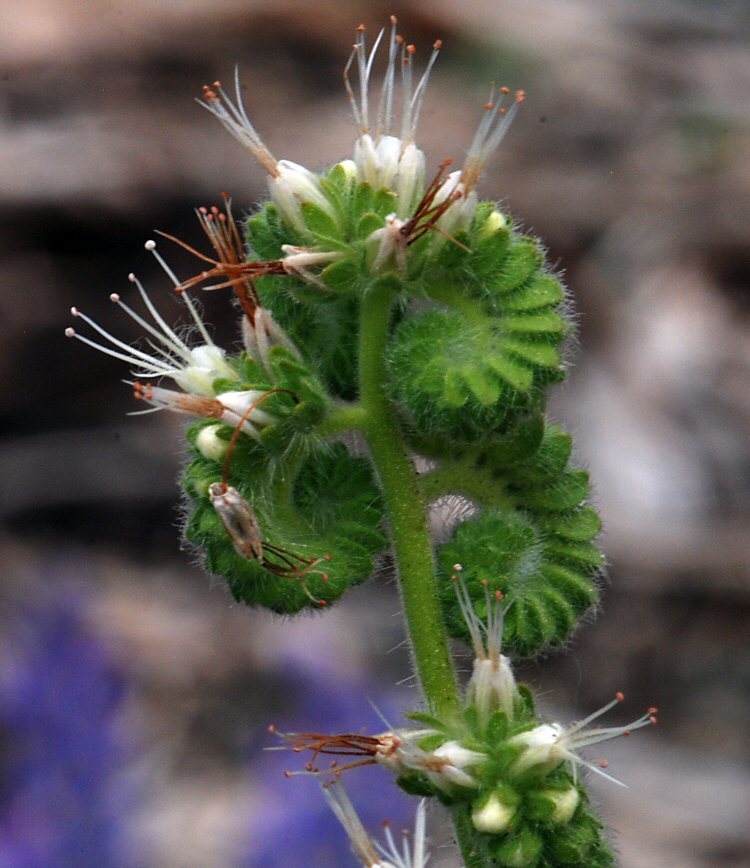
(289,184)
(492,686)
(371,853)
(385,153)
(448,766)
(549,745)
(238,409)
(193,368)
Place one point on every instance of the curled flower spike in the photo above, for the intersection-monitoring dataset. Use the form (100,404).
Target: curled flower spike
(550,745)
(371,853)
(193,368)
(492,686)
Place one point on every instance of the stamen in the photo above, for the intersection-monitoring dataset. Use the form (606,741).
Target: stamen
(235,120)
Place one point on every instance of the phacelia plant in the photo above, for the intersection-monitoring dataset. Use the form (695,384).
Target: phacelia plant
(388,303)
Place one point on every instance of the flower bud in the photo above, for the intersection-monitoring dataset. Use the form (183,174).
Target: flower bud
(210,445)
(496,222)
(494,813)
(410,181)
(291,187)
(553,805)
(521,851)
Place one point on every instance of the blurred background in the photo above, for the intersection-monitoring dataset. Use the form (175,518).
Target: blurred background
(134,697)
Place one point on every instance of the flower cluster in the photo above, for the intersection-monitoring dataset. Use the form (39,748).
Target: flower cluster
(519,775)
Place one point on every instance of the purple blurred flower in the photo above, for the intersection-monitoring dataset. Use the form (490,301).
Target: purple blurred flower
(63,799)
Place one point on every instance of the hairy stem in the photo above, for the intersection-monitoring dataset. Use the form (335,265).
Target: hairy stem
(406,509)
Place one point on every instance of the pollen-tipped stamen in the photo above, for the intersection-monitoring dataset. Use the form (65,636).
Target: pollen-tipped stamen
(235,120)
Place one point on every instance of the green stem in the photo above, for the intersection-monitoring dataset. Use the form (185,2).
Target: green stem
(342,419)
(464,477)
(406,509)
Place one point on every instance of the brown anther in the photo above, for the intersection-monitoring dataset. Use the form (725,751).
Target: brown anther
(272,729)
(203,209)
(653,720)
(503,111)
(653,710)
(489,106)
(603,764)
(619,696)
(217,84)
(437,44)
(288,775)
(505,90)
(411,49)
(325,577)
(361,28)
(485,582)
(520,95)
(399,40)
(214,210)
(322,603)
(626,732)
(499,595)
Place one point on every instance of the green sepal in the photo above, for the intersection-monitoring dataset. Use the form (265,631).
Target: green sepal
(543,291)
(415,785)
(433,741)
(340,276)
(521,849)
(521,260)
(427,719)
(320,224)
(497,728)
(368,223)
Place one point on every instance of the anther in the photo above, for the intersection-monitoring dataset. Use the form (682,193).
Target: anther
(457,567)
(74,311)
(70,332)
(132,277)
(505,90)
(271,728)
(114,297)
(603,764)
(619,696)
(150,245)
(437,44)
